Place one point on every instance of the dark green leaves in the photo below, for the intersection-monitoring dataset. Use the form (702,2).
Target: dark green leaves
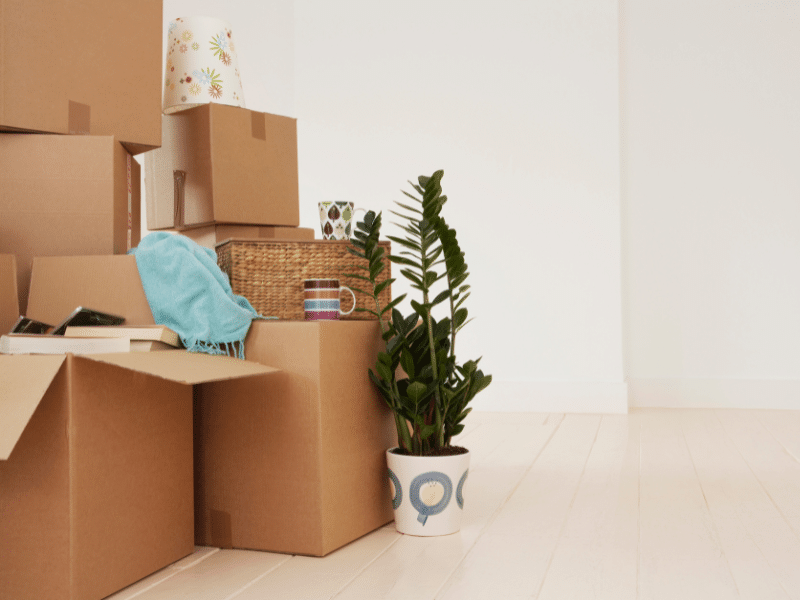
(430,401)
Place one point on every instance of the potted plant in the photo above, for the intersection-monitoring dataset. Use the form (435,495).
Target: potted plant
(417,373)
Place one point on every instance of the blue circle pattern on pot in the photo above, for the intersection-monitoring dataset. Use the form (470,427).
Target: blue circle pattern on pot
(460,490)
(398,490)
(423,509)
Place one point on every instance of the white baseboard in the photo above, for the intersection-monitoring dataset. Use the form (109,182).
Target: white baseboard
(714,393)
(557,397)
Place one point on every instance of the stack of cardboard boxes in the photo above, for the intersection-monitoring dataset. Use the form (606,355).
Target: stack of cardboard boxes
(114,466)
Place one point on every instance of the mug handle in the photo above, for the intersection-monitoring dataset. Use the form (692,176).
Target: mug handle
(344,314)
(353,220)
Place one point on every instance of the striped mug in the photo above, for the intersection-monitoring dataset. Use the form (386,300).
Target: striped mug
(321,299)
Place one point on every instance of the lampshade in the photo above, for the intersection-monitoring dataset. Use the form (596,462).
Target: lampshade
(202,65)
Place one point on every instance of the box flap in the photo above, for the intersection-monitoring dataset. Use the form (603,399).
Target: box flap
(25,380)
(107,283)
(184,367)
(9,300)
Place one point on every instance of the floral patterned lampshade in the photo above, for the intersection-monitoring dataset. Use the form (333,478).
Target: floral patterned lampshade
(202,66)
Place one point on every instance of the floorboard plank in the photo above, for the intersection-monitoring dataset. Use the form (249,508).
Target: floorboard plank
(310,578)
(596,556)
(784,426)
(512,556)
(680,554)
(218,577)
(762,552)
(776,470)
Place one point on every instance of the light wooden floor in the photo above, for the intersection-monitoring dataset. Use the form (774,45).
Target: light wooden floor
(672,504)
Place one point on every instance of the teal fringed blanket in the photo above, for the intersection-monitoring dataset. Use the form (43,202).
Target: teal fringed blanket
(189,293)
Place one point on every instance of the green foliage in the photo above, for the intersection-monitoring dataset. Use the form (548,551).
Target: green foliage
(430,401)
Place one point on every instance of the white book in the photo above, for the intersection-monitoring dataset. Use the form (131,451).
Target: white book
(149,346)
(158,333)
(19,343)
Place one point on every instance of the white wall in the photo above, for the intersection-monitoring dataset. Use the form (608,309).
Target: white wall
(518,103)
(711,202)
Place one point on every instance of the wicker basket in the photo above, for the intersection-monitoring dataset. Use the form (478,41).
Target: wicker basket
(270,274)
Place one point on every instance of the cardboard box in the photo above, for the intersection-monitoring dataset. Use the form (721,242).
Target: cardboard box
(291,463)
(223,164)
(211,235)
(96,484)
(295,463)
(9,301)
(109,284)
(66,195)
(90,67)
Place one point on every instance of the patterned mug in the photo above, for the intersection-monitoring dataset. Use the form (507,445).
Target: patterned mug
(321,300)
(336,218)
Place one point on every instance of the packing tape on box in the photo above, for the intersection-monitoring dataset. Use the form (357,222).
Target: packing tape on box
(130,203)
(259,125)
(78,118)
(179,185)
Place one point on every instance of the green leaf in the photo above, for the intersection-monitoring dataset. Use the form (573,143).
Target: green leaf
(441,297)
(399,323)
(384,371)
(402,260)
(460,317)
(421,310)
(375,270)
(412,197)
(417,391)
(427,431)
(407,362)
(406,243)
(382,286)
(442,329)
(411,276)
(411,208)
(355,252)
(392,345)
(392,304)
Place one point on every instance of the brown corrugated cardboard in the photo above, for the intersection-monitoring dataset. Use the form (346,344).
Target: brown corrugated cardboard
(89,67)
(110,284)
(211,235)
(9,300)
(96,477)
(223,164)
(66,195)
(296,462)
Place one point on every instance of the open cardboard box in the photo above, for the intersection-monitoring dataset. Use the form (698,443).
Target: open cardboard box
(63,195)
(89,67)
(96,483)
(297,463)
(294,462)
(9,302)
(223,164)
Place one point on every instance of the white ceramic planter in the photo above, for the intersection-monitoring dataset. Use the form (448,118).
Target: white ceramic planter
(427,492)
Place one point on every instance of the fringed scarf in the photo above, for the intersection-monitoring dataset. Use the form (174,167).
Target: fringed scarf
(188,293)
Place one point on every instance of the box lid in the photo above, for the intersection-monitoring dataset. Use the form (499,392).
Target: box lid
(26,379)
(185,367)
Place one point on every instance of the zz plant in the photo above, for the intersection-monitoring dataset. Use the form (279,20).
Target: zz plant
(431,401)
